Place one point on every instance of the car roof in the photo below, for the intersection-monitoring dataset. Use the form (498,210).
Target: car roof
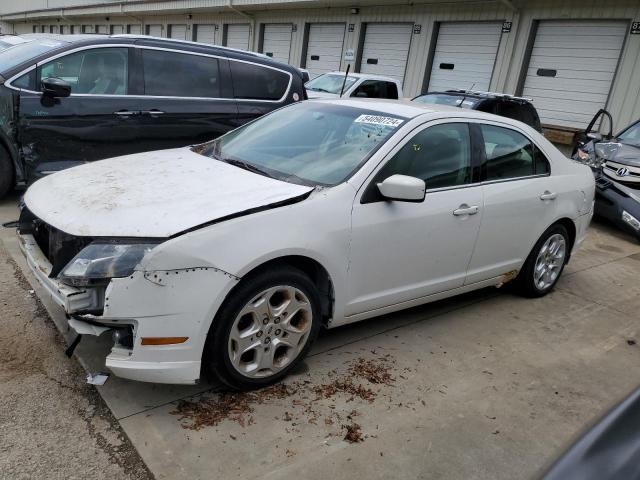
(480,95)
(409,109)
(365,75)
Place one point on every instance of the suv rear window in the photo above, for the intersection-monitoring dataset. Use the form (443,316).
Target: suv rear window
(255,82)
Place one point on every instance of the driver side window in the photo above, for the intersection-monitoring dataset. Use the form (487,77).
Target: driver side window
(100,71)
(439,155)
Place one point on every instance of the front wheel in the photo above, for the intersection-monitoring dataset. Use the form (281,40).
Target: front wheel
(545,263)
(264,329)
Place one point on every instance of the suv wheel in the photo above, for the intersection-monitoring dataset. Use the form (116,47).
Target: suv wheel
(545,263)
(263,330)
(6,173)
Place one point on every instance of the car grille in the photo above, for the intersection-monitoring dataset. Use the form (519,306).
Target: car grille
(630,174)
(59,247)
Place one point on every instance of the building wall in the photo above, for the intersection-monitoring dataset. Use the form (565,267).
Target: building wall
(624,99)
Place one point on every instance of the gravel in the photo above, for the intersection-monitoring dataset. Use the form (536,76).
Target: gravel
(53,424)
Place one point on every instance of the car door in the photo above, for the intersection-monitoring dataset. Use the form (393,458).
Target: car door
(519,200)
(186,99)
(401,251)
(56,133)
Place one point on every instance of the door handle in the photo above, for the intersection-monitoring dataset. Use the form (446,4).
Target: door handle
(153,112)
(465,209)
(125,113)
(547,195)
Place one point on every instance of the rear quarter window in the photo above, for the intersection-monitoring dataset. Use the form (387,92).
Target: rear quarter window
(255,82)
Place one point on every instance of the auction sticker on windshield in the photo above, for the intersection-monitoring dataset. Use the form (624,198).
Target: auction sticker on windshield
(379,120)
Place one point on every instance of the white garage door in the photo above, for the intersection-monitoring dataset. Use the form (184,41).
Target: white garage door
(238,36)
(179,32)
(386,48)
(277,41)
(134,29)
(117,29)
(571,69)
(88,29)
(324,49)
(206,34)
(154,30)
(102,29)
(465,55)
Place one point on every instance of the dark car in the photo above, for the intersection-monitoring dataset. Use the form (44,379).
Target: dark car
(615,161)
(610,450)
(71,99)
(517,108)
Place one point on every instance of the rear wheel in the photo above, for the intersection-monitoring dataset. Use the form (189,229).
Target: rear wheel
(545,263)
(264,329)
(7,176)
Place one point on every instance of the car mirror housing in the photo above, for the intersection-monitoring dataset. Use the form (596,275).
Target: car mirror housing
(403,188)
(55,87)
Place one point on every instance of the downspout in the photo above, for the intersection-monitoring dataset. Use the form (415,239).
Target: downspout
(252,22)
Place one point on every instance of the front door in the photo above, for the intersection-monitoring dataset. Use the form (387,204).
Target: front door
(402,251)
(86,126)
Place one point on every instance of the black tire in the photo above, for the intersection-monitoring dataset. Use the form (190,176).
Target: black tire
(217,362)
(525,283)
(7,175)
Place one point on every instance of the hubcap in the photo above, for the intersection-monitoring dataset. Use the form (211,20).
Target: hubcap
(549,262)
(270,331)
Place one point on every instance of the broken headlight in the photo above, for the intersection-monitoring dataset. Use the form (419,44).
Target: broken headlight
(588,157)
(99,262)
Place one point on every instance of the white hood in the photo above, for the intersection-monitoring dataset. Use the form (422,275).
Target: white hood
(153,194)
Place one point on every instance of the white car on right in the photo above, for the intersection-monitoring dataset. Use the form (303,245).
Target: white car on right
(358,85)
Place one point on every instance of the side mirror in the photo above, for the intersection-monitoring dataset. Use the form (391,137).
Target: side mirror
(403,188)
(55,87)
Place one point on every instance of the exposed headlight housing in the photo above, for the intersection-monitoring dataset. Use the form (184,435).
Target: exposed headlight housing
(588,158)
(99,262)
(631,220)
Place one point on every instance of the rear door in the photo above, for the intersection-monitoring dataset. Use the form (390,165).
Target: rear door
(187,98)
(89,124)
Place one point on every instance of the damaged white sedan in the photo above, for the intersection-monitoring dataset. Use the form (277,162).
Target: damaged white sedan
(227,258)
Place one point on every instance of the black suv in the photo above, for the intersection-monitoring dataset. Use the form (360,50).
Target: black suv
(70,99)
(517,108)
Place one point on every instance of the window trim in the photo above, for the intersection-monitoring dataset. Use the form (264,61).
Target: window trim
(370,180)
(483,159)
(131,45)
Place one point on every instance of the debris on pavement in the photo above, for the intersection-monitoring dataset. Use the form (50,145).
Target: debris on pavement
(97,378)
(353,434)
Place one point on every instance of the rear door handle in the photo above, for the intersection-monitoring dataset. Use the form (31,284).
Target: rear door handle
(547,195)
(465,209)
(125,113)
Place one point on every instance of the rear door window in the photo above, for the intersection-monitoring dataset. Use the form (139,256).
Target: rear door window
(509,154)
(376,89)
(172,74)
(96,71)
(255,82)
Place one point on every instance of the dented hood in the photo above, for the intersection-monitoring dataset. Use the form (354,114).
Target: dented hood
(153,194)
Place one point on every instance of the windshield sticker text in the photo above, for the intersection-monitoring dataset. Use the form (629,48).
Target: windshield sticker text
(379,120)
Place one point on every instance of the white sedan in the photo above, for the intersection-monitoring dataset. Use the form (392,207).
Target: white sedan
(227,258)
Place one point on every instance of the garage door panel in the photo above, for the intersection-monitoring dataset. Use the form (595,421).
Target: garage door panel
(206,34)
(388,44)
(583,57)
(324,48)
(277,41)
(471,49)
(179,32)
(238,36)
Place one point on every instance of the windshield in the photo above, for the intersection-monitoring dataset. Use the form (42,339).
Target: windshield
(309,143)
(18,54)
(330,83)
(446,99)
(631,136)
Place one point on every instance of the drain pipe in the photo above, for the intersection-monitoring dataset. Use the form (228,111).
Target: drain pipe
(252,22)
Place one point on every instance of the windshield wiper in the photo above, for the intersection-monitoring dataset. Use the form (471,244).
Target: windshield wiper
(316,89)
(247,166)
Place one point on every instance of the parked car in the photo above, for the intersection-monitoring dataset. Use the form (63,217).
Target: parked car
(610,450)
(362,85)
(517,108)
(70,99)
(229,256)
(615,161)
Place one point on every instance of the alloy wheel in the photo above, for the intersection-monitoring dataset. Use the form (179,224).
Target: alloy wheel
(549,262)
